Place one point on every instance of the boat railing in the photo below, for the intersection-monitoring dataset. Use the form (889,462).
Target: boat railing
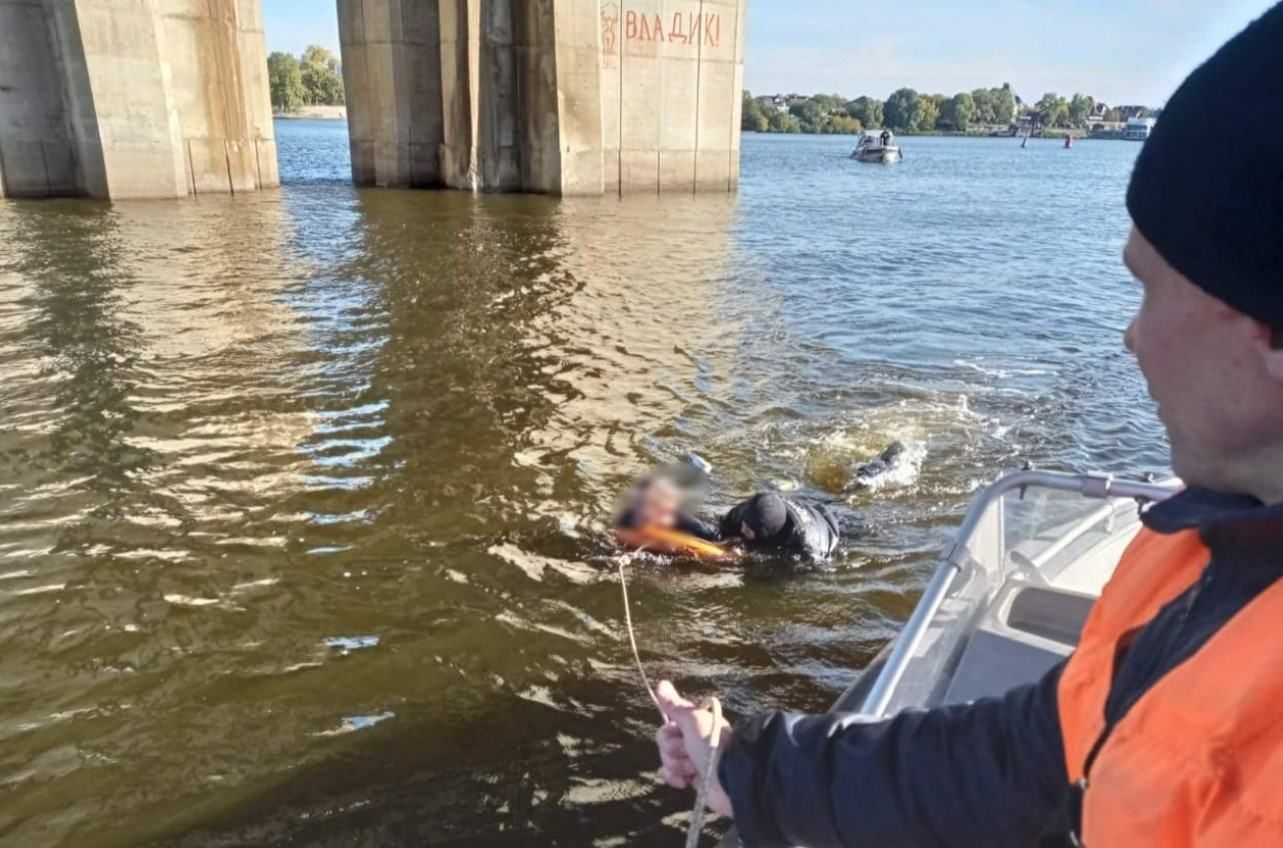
(958,556)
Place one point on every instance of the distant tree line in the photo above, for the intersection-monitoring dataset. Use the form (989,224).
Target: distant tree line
(310,80)
(907,110)
(1081,110)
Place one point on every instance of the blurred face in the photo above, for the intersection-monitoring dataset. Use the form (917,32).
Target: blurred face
(1215,373)
(658,504)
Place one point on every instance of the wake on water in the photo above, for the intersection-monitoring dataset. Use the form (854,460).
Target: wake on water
(833,460)
(834,464)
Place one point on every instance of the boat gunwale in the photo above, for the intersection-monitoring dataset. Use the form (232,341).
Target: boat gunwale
(905,646)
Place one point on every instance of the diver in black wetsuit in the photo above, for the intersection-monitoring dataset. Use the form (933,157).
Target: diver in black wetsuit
(765,522)
(768,522)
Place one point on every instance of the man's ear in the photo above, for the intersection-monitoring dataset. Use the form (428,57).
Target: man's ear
(1269,344)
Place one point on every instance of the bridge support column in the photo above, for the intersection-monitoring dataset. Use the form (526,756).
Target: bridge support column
(454,93)
(548,96)
(133,98)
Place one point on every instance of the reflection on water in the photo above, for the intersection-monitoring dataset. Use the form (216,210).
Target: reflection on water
(302,492)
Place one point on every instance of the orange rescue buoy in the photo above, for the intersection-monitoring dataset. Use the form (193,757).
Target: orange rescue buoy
(672,543)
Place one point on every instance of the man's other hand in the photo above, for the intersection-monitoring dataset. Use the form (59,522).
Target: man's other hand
(685,745)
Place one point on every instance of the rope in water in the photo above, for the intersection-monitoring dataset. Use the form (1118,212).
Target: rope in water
(632,636)
(698,815)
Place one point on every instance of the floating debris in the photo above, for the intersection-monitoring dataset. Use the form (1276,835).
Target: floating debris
(351,643)
(351,724)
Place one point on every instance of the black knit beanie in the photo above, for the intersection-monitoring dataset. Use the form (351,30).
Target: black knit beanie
(1207,190)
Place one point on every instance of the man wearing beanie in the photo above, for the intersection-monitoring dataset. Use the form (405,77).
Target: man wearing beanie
(770,523)
(1163,728)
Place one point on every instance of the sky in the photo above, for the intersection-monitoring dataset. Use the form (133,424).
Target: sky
(1119,51)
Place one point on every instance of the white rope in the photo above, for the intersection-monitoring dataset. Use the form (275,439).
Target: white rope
(706,779)
(632,637)
(700,813)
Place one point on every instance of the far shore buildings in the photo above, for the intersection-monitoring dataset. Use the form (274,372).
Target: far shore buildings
(780,102)
(1122,122)
(1138,129)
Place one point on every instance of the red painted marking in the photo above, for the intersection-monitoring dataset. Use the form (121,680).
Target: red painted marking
(687,28)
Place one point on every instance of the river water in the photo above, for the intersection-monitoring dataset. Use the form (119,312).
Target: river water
(302,493)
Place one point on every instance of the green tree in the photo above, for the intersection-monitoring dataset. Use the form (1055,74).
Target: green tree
(984,101)
(321,79)
(1005,102)
(755,119)
(1054,110)
(1114,115)
(1080,108)
(901,109)
(866,110)
(958,112)
(784,122)
(285,82)
(928,111)
(831,104)
(843,125)
(811,114)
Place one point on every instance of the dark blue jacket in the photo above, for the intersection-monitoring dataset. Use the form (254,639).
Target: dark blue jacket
(992,773)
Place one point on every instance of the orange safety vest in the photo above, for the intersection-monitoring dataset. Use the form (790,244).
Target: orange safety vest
(1198,760)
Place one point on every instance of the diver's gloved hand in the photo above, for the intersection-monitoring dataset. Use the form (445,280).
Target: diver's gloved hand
(685,745)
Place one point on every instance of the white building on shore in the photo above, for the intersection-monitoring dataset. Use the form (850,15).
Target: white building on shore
(1138,129)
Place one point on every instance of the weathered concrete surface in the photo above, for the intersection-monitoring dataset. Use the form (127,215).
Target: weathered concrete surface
(579,92)
(432,91)
(391,69)
(550,96)
(218,66)
(673,77)
(36,149)
(133,98)
(162,98)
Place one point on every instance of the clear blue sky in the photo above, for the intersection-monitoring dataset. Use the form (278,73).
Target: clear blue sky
(1120,51)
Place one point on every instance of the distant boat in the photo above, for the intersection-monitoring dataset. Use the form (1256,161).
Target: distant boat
(1138,129)
(871,149)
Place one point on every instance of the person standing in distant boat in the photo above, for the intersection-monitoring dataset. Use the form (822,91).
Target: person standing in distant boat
(886,138)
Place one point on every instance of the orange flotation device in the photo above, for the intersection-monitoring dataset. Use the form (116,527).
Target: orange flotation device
(672,543)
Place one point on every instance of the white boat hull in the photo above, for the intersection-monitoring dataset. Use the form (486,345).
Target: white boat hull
(1012,593)
(878,156)
(1010,596)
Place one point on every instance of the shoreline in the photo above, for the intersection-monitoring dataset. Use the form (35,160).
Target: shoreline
(1057,134)
(313,113)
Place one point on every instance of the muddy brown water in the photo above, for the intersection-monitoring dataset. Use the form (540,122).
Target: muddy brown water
(302,493)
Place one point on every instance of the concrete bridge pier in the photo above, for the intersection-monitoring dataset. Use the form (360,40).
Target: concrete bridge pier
(547,96)
(133,98)
(165,98)
(464,94)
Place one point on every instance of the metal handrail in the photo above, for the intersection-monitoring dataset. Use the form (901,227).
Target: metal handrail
(1073,534)
(910,639)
